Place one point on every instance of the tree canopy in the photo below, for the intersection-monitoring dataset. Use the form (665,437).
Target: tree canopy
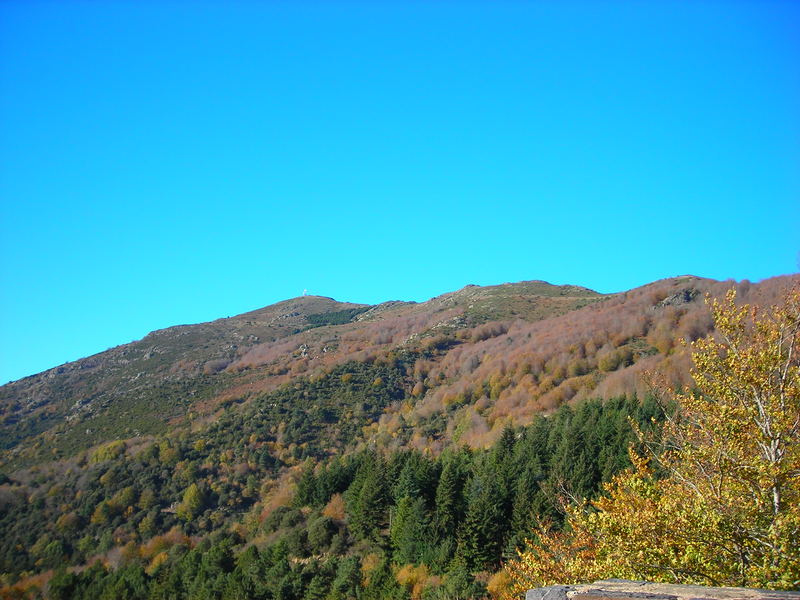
(717,500)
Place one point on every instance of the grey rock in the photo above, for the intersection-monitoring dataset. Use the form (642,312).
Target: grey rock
(684,296)
(553,592)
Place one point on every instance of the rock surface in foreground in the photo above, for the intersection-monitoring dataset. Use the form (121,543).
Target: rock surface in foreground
(620,589)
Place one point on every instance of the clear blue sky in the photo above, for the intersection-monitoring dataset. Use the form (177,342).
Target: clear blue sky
(165,163)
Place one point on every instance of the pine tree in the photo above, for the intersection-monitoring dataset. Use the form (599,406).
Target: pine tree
(382,584)
(480,537)
(306,493)
(367,498)
(347,581)
(409,531)
(449,502)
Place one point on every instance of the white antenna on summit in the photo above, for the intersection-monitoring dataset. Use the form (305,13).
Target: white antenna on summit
(305,292)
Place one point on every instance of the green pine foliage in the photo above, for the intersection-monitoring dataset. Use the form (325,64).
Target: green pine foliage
(338,317)
(347,462)
(409,517)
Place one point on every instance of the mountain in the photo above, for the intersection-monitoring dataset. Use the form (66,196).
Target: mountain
(143,387)
(148,382)
(317,432)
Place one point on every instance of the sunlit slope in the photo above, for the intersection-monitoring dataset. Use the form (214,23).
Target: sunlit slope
(477,358)
(222,428)
(137,388)
(149,385)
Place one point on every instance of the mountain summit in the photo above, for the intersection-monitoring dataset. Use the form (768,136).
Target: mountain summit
(151,385)
(321,440)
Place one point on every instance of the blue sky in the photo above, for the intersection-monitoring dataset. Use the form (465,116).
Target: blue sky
(166,163)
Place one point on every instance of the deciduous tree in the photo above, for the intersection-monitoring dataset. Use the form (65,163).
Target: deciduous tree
(727,510)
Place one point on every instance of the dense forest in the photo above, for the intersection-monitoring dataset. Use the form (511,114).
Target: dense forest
(318,449)
(370,524)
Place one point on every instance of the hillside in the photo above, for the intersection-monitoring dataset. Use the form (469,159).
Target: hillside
(141,387)
(138,388)
(304,433)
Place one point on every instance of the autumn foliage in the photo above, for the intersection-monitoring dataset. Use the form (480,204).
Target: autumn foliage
(319,450)
(718,500)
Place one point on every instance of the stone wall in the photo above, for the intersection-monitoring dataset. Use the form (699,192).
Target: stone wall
(620,589)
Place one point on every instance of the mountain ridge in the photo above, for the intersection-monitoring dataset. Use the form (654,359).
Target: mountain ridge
(150,367)
(153,381)
(268,425)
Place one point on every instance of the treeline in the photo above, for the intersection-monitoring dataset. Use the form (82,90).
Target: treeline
(373,524)
(338,317)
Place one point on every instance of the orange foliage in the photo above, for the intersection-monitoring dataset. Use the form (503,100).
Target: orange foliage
(600,350)
(162,543)
(278,492)
(368,565)
(415,577)
(335,508)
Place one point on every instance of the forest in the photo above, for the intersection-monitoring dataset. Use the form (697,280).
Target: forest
(467,447)
(371,524)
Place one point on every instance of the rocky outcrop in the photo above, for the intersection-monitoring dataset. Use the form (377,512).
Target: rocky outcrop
(620,589)
(684,296)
